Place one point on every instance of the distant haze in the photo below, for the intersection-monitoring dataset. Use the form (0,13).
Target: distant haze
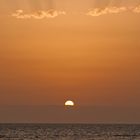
(61,114)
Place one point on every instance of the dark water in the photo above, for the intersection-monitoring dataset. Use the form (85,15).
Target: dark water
(69,132)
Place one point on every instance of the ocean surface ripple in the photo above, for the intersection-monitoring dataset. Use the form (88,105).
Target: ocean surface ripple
(69,132)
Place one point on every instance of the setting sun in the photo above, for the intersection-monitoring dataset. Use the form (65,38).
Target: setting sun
(69,103)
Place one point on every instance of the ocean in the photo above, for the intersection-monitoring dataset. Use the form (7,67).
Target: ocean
(69,132)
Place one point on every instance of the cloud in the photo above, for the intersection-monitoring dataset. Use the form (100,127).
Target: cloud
(109,10)
(112,10)
(136,9)
(95,11)
(20,14)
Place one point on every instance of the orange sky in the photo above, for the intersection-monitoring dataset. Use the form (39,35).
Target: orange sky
(67,53)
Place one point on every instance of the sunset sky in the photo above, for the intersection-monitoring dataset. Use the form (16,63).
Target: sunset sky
(84,50)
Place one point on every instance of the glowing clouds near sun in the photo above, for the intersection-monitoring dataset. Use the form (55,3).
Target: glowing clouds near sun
(38,14)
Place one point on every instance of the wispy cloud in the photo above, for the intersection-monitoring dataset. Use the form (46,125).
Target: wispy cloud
(137,9)
(96,11)
(112,10)
(20,14)
(99,11)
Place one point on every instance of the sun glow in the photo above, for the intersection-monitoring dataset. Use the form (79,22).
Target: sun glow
(69,103)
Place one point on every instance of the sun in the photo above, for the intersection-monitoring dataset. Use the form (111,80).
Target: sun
(69,103)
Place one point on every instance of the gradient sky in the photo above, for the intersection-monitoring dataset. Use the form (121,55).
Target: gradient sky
(84,50)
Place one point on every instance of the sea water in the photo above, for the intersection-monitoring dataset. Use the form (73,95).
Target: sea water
(69,132)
